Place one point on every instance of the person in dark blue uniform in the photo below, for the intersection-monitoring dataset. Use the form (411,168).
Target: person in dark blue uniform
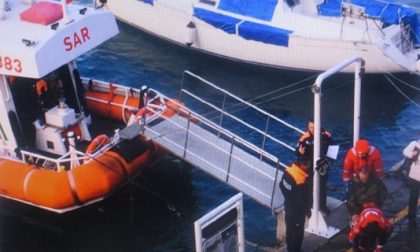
(297,194)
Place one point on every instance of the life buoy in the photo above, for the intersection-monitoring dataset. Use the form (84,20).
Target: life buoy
(96,143)
(41,87)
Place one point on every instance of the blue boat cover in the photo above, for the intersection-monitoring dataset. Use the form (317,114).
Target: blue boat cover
(261,9)
(330,8)
(389,13)
(220,21)
(264,33)
(147,1)
(247,30)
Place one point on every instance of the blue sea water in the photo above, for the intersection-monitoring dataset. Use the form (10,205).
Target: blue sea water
(156,213)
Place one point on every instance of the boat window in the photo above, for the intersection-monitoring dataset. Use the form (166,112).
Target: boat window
(66,87)
(28,109)
(209,2)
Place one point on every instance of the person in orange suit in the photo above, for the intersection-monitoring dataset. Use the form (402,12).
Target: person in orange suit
(370,230)
(362,155)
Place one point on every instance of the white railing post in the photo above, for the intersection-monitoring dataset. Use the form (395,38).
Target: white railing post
(317,224)
(359,68)
(74,162)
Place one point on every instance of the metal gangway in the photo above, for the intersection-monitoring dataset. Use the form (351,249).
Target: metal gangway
(201,133)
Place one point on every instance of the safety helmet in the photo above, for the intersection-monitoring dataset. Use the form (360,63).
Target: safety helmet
(362,146)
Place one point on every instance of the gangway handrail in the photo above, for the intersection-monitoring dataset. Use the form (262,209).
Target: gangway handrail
(219,169)
(239,120)
(241,100)
(230,135)
(243,142)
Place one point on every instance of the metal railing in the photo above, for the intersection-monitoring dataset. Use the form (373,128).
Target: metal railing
(234,142)
(245,105)
(57,164)
(222,143)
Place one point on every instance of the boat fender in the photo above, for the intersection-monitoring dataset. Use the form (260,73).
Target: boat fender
(191,32)
(96,143)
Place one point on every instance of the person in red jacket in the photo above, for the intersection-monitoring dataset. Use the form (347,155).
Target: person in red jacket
(362,156)
(370,230)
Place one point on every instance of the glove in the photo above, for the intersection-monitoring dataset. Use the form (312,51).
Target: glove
(322,166)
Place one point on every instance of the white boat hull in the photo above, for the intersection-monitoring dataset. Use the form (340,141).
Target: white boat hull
(303,52)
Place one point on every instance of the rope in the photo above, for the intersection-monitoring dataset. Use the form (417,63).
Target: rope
(263,96)
(401,92)
(388,75)
(282,88)
(404,82)
(282,95)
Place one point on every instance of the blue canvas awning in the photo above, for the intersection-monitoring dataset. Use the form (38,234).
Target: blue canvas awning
(261,9)
(147,1)
(248,30)
(264,33)
(330,8)
(220,21)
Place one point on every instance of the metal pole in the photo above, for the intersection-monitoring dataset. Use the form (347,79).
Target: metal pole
(317,224)
(198,237)
(317,147)
(186,137)
(230,159)
(241,226)
(65,11)
(359,69)
(72,148)
(222,112)
(265,136)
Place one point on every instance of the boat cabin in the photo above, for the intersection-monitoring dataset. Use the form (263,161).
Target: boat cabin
(42,97)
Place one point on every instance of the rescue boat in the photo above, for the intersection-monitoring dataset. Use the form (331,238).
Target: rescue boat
(66,141)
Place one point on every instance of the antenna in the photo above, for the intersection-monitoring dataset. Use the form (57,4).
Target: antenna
(66,17)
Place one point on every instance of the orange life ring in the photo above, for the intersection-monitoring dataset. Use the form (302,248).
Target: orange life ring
(41,87)
(96,143)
